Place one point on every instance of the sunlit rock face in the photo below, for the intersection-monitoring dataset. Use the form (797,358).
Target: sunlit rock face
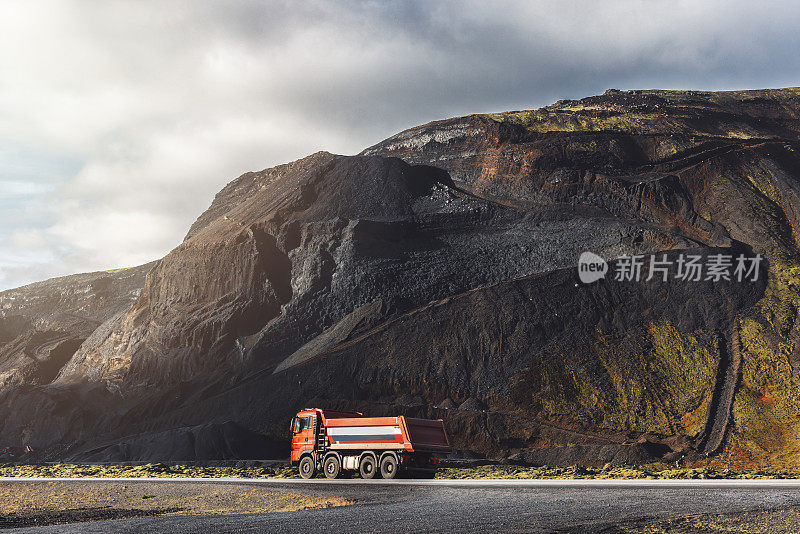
(42,325)
(438,268)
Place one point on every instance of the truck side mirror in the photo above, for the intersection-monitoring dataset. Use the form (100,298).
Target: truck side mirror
(293,425)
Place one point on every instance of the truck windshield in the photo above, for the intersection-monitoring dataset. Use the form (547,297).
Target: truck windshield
(303,423)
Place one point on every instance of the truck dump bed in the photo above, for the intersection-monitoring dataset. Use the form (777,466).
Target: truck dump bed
(427,434)
(398,433)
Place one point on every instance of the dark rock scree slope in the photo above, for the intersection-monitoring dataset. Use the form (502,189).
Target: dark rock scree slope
(435,275)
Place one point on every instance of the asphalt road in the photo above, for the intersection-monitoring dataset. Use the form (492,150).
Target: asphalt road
(475,506)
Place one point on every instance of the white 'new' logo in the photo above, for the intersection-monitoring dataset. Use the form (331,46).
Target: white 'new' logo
(591,267)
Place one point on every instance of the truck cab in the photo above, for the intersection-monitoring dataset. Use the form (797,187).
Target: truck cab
(305,429)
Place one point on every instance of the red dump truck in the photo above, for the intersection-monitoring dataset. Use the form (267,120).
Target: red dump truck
(339,442)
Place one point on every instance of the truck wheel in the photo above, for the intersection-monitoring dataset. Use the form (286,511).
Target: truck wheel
(367,467)
(307,468)
(332,467)
(389,466)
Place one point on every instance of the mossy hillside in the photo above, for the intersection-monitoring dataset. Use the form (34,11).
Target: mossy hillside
(665,112)
(744,179)
(689,362)
(655,380)
(577,118)
(661,379)
(757,191)
(721,97)
(766,409)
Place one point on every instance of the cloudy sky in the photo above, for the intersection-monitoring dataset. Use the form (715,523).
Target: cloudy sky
(119,121)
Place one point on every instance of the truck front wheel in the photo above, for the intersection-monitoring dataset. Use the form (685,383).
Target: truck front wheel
(389,466)
(367,467)
(307,468)
(332,467)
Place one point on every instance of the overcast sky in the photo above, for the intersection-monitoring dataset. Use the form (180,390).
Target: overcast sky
(119,121)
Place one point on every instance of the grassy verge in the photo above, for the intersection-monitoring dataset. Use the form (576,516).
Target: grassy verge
(494,471)
(652,471)
(146,470)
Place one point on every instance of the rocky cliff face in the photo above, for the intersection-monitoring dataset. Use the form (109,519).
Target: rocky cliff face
(437,270)
(43,324)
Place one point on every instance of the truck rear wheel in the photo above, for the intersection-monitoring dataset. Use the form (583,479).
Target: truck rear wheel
(389,466)
(367,467)
(307,468)
(332,467)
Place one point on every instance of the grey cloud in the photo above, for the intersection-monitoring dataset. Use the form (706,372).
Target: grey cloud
(162,103)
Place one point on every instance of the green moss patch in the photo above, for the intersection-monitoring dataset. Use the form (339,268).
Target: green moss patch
(158,470)
(492,471)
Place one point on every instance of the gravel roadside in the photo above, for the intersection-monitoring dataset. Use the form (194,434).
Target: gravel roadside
(46,503)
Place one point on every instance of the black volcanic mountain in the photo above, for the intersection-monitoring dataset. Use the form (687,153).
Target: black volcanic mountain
(435,274)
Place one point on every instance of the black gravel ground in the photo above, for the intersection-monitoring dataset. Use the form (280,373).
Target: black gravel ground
(485,506)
